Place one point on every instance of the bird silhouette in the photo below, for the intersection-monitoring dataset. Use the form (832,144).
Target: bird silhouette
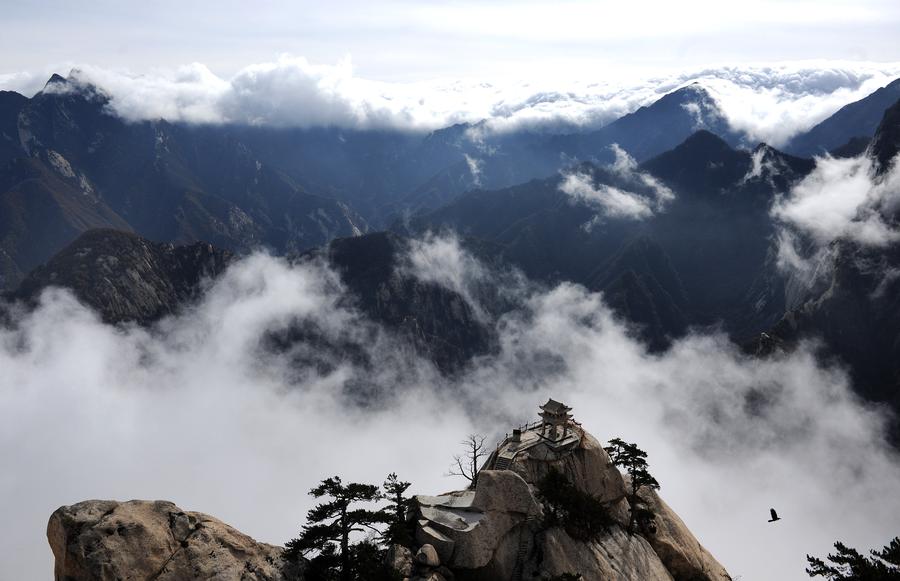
(774,515)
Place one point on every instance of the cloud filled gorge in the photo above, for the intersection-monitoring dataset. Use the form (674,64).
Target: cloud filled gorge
(770,103)
(200,411)
(842,201)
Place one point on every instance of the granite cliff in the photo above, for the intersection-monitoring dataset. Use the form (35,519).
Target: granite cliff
(498,529)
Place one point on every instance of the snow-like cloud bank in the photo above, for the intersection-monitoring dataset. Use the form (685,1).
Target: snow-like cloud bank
(769,102)
(618,202)
(200,411)
(840,200)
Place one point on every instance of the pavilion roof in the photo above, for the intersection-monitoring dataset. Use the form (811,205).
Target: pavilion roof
(554,407)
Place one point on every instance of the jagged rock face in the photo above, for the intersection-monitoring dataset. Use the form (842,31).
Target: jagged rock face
(101,540)
(440,323)
(617,556)
(124,277)
(683,556)
(467,528)
(496,531)
(886,142)
(587,467)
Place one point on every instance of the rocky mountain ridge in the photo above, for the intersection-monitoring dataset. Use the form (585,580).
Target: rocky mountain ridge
(496,530)
(124,277)
(244,187)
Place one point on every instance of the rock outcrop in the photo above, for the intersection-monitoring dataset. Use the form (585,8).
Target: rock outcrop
(682,554)
(124,277)
(498,531)
(501,529)
(102,540)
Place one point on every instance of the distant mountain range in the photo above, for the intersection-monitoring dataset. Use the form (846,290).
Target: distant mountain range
(93,203)
(855,121)
(67,164)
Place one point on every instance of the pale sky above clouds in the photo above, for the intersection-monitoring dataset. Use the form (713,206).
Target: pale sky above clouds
(416,40)
(775,67)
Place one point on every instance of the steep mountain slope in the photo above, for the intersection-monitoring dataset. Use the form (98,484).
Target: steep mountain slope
(167,182)
(693,262)
(440,323)
(240,187)
(124,277)
(858,119)
(661,126)
(127,278)
(10,105)
(855,310)
(886,143)
(718,233)
(44,205)
(497,160)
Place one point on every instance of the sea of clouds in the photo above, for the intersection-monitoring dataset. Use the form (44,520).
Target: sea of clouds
(770,102)
(199,410)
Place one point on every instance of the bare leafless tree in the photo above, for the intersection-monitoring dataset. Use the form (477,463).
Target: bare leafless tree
(466,464)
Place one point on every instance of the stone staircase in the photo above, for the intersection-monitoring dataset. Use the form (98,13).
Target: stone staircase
(502,463)
(525,538)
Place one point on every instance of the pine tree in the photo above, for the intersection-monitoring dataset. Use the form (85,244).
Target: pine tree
(849,564)
(634,461)
(398,529)
(331,523)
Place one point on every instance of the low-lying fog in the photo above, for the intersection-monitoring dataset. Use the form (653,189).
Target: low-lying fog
(196,410)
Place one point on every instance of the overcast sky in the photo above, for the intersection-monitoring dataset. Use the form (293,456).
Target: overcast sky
(416,40)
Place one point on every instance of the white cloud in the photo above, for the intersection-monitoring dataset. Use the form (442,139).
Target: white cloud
(771,102)
(475,166)
(199,411)
(616,202)
(774,102)
(611,201)
(842,199)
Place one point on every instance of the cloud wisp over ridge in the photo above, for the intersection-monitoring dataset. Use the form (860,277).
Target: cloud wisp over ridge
(768,102)
(842,200)
(618,201)
(200,411)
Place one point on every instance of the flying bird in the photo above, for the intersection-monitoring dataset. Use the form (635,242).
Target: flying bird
(774,515)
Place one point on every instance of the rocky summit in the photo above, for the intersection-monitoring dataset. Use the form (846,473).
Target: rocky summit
(104,540)
(498,529)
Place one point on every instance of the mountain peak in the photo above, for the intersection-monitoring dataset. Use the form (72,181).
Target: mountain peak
(854,120)
(704,140)
(694,93)
(695,89)
(56,80)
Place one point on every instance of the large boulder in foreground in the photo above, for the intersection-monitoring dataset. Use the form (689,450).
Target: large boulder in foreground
(100,540)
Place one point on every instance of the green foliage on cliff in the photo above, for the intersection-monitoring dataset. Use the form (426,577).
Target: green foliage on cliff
(633,460)
(580,514)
